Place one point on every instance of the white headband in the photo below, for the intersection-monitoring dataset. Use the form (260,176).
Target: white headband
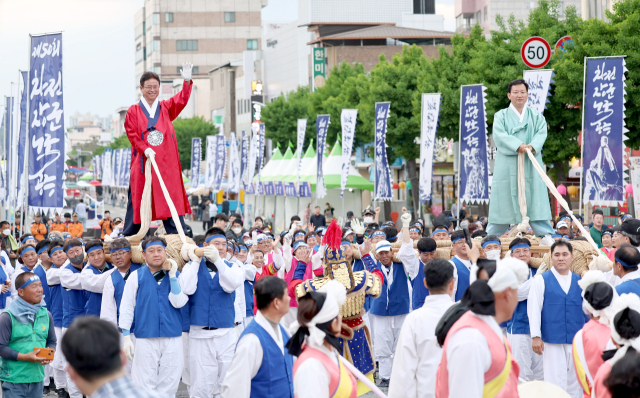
(510,273)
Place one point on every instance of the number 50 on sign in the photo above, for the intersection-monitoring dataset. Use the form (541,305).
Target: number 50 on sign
(536,52)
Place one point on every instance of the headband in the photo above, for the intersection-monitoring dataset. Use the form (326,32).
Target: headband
(378,233)
(126,249)
(26,238)
(625,217)
(28,249)
(625,264)
(440,229)
(487,243)
(384,247)
(71,247)
(242,247)
(248,243)
(201,245)
(414,229)
(454,240)
(42,249)
(520,246)
(212,237)
(348,232)
(30,281)
(154,243)
(55,249)
(428,251)
(299,244)
(299,233)
(261,237)
(345,242)
(94,248)
(607,232)
(556,236)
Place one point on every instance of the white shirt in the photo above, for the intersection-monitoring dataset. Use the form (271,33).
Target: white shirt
(128,302)
(535,300)
(68,279)
(151,109)
(418,353)
(407,255)
(94,282)
(247,360)
(520,115)
(108,307)
(213,210)
(230,278)
(468,359)
(312,379)
(240,302)
(615,280)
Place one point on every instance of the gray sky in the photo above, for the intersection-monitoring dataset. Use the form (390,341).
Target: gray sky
(98,45)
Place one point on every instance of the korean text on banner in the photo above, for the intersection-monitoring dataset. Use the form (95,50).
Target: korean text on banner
(196,158)
(322,125)
(24,77)
(234,166)
(539,82)
(383,173)
(428,129)
(261,144)
(474,170)
(318,68)
(604,132)
(220,162)
(348,121)
(117,162)
(211,164)
(244,159)
(127,169)
(46,124)
(302,129)
(253,154)
(107,176)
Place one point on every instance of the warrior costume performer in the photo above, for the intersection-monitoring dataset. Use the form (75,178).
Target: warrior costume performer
(355,338)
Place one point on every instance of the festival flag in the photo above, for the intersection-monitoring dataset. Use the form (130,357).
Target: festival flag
(244,159)
(260,148)
(45,136)
(196,158)
(539,81)
(322,125)
(302,130)
(383,173)
(220,162)
(251,188)
(348,120)
(429,127)
(116,167)
(234,166)
(603,126)
(210,165)
(474,164)
(22,135)
(107,176)
(127,168)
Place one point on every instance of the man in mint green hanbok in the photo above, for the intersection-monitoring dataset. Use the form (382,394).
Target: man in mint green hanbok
(515,129)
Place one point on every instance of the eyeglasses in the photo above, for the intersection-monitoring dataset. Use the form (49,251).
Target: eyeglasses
(151,88)
(119,253)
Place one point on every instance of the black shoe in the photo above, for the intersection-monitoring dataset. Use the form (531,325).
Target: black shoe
(45,390)
(62,393)
(383,383)
(52,384)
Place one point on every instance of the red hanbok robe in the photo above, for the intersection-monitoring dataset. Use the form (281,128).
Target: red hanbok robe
(167,157)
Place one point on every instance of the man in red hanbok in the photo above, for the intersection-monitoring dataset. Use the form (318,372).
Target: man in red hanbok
(150,131)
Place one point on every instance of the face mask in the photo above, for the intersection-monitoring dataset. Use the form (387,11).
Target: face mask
(258,225)
(368,220)
(6,232)
(77,260)
(228,256)
(236,230)
(493,254)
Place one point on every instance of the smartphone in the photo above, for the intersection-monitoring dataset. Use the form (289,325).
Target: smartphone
(467,236)
(46,353)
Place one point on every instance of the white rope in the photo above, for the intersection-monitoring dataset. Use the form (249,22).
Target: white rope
(522,198)
(360,376)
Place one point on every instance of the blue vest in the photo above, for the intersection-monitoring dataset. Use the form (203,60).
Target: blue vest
(562,314)
(358,265)
(42,274)
(248,297)
(630,286)
(210,305)
(184,312)
(3,296)
(154,314)
(73,301)
(463,278)
(420,291)
(118,288)
(519,322)
(56,300)
(275,376)
(398,294)
(94,300)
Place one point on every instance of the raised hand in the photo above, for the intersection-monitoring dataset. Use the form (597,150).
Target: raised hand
(187,67)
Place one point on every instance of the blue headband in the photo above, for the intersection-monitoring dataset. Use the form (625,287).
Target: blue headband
(556,236)
(625,265)
(626,216)
(201,245)
(607,232)
(345,242)
(299,244)
(382,248)
(154,243)
(443,229)
(428,251)
(55,249)
(28,249)
(71,247)
(414,230)
(212,237)
(27,238)
(30,281)
(126,249)
(487,243)
(94,248)
(299,233)
(248,243)
(43,248)
(241,248)
(378,233)
(520,246)
(454,240)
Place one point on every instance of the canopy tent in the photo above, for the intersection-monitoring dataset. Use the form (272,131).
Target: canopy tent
(308,159)
(87,177)
(271,167)
(288,169)
(77,169)
(277,174)
(332,167)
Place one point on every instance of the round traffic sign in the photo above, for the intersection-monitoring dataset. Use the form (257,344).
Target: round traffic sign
(563,43)
(536,52)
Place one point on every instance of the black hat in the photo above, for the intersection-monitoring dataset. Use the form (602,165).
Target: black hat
(349,214)
(631,226)
(368,211)
(599,295)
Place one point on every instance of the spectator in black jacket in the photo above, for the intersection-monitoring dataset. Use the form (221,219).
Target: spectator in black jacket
(318,219)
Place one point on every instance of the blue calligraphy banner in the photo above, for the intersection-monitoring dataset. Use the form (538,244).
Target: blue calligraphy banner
(22,138)
(244,159)
(269,188)
(46,124)
(124,165)
(474,170)
(259,187)
(304,190)
(250,189)
(383,173)
(127,168)
(279,185)
(260,149)
(196,158)
(604,132)
(290,189)
(220,161)
(322,125)
(429,126)
(117,162)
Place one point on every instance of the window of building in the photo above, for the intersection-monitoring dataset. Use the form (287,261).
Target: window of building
(531,5)
(486,16)
(194,70)
(144,29)
(156,45)
(144,53)
(155,18)
(424,6)
(561,9)
(229,17)
(252,44)
(168,17)
(479,16)
(187,45)
(156,69)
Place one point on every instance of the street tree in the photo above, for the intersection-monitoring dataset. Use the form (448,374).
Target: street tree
(186,129)
(281,116)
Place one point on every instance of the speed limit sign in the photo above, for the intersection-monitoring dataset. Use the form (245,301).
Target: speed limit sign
(536,52)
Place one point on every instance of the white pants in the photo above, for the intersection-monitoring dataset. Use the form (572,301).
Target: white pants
(530,363)
(158,364)
(210,359)
(48,374)
(559,370)
(385,337)
(72,389)
(291,316)
(58,363)
(367,321)
(127,368)
(186,376)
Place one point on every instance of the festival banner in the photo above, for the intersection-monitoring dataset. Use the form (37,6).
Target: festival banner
(15,136)
(539,81)
(302,130)
(196,158)
(304,190)
(322,125)
(233,177)
(211,157)
(348,120)
(46,124)
(269,188)
(260,188)
(290,189)
(244,159)
(22,136)
(123,167)
(3,185)
(253,154)
(474,163)
(603,127)
(117,157)
(127,168)
(250,189)
(279,186)
(260,149)
(634,171)
(8,123)
(107,175)
(428,129)
(221,161)
(383,173)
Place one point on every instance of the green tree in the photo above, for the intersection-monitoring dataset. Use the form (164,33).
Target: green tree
(281,116)
(119,143)
(186,129)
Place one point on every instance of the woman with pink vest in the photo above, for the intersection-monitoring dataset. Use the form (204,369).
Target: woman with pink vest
(594,338)
(318,371)
(476,358)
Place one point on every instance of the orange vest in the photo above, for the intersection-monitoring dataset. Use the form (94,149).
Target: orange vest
(76,229)
(342,385)
(106,226)
(59,226)
(38,230)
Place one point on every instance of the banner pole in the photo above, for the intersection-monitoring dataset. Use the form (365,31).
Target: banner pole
(458,201)
(584,85)
(25,167)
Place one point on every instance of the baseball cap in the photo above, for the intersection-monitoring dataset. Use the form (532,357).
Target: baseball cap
(562,224)
(631,226)
(383,246)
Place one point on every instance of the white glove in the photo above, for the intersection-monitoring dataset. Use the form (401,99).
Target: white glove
(406,220)
(357,226)
(174,268)
(192,254)
(211,252)
(149,152)
(186,70)
(128,347)
(254,237)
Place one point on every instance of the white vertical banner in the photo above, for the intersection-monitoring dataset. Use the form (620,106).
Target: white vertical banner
(302,130)
(211,161)
(634,170)
(428,128)
(234,166)
(348,121)
(107,175)
(15,135)
(539,82)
